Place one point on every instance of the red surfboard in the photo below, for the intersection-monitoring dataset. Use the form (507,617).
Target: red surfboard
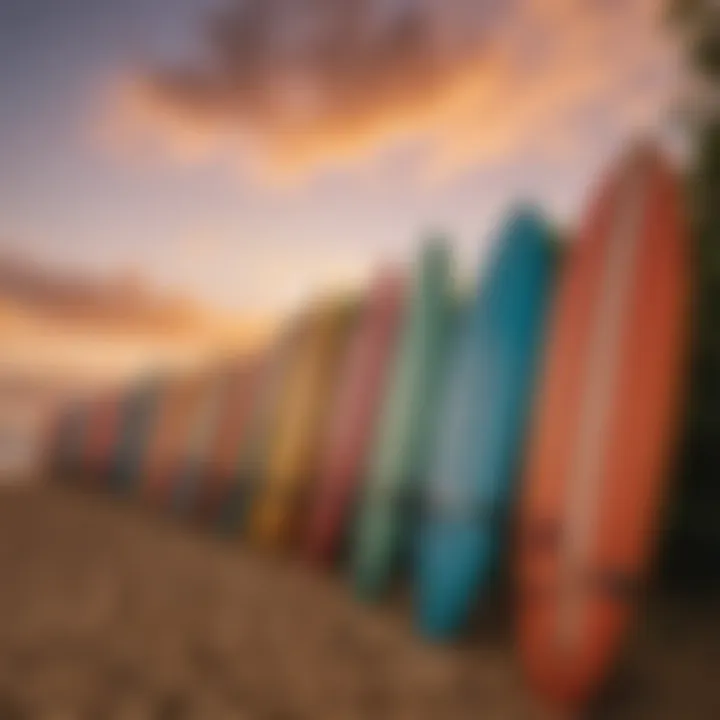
(102,434)
(603,431)
(224,453)
(353,417)
(169,439)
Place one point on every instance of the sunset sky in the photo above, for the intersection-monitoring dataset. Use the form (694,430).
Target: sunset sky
(246,153)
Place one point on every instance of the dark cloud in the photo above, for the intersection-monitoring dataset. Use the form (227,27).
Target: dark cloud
(297,83)
(300,62)
(299,74)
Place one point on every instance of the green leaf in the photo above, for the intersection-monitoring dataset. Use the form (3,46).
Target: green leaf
(682,12)
(706,54)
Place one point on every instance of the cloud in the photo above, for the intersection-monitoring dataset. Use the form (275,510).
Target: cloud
(117,304)
(123,306)
(58,324)
(290,86)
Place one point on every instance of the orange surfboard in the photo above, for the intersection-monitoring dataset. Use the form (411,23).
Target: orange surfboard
(603,430)
(169,438)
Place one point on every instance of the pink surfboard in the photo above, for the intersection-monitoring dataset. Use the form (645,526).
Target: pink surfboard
(353,417)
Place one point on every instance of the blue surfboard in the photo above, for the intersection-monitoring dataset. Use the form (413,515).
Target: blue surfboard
(485,404)
(138,415)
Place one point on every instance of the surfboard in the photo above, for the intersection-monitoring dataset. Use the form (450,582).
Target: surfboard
(352,419)
(169,438)
(69,438)
(268,405)
(486,397)
(138,415)
(81,432)
(194,454)
(55,436)
(102,436)
(399,455)
(244,380)
(604,428)
(292,465)
(92,405)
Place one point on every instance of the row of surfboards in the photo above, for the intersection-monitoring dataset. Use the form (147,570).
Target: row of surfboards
(531,421)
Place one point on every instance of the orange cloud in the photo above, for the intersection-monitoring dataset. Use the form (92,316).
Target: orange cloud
(59,325)
(290,86)
(30,294)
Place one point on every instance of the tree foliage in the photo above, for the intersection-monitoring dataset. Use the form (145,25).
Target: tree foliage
(694,552)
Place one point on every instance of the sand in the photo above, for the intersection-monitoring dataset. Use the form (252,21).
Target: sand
(108,612)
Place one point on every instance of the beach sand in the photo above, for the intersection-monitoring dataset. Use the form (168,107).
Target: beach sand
(108,612)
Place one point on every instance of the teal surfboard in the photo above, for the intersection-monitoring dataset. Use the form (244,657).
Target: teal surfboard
(485,404)
(399,456)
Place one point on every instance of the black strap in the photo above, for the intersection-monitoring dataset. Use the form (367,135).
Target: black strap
(609,583)
(543,536)
(620,585)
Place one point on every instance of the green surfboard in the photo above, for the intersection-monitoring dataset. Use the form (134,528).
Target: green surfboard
(399,455)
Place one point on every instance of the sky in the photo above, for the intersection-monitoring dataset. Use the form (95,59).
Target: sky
(247,153)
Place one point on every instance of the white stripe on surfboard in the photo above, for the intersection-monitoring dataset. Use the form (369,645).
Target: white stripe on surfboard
(598,390)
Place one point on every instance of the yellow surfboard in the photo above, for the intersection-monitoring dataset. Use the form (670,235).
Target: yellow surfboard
(291,468)
(268,407)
